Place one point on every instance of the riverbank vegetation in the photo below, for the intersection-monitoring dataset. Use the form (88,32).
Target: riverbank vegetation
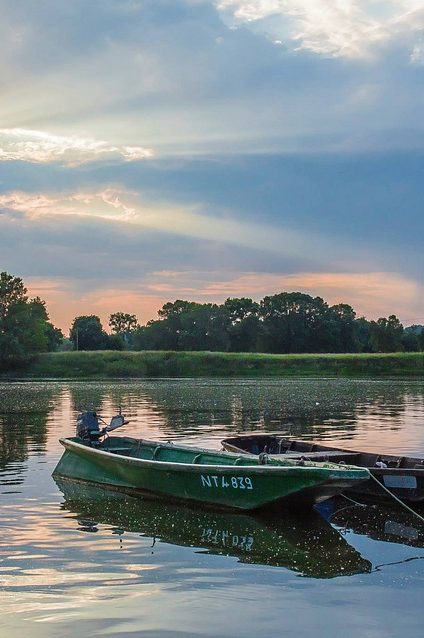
(113,364)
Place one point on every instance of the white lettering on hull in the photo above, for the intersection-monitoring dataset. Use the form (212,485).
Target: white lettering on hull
(223,482)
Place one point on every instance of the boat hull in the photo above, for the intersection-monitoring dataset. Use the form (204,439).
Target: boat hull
(242,487)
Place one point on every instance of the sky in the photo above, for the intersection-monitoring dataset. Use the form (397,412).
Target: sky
(205,149)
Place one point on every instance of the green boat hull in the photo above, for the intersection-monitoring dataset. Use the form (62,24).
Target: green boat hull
(218,479)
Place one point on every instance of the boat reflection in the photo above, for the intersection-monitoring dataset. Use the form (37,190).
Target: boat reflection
(379,522)
(307,545)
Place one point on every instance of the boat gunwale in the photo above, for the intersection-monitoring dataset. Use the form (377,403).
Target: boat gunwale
(334,471)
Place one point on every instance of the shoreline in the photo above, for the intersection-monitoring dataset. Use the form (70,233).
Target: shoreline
(110,364)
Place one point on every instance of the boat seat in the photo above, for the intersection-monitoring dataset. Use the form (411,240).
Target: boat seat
(124,451)
(329,454)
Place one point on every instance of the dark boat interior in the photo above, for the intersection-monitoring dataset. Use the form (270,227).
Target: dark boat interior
(309,450)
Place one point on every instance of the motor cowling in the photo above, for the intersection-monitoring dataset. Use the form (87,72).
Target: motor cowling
(88,428)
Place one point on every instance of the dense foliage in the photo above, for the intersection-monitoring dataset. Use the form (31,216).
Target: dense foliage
(282,323)
(25,328)
(87,332)
(122,323)
(123,326)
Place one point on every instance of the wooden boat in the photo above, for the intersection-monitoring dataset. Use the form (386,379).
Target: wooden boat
(305,544)
(402,475)
(206,477)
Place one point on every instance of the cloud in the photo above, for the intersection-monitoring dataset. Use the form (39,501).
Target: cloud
(94,250)
(352,28)
(128,210)
(178,78)
(41,147)
(417,55)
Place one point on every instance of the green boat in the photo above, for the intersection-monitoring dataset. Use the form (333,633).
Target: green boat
(206,477)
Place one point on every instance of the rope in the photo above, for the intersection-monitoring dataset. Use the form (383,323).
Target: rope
(377,568)
(352,501)
(396,498)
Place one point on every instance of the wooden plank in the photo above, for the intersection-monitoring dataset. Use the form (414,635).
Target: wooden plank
(315,455)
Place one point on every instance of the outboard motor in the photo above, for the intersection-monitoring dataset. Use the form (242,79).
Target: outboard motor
(88,428)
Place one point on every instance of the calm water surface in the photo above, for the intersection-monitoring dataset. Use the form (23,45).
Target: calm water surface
(78,560)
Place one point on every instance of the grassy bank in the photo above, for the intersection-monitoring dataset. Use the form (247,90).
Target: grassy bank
(112,364)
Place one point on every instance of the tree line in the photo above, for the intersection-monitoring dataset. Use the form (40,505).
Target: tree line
(287,322)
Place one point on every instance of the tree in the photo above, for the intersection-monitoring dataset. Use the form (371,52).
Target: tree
(414,338)
(173,327)
(386,334)
(362,334)
(47,332)
(115,342)
(122,323)
(155,335)
(13,304)
(294,322)
(243,323)
(239,308)
(203,327)
(87,333)
(174,308)
(410,341)
(166,332)
(123,326)
(343,322)
(185,326)
(24,326)
(12,293)
(54,337)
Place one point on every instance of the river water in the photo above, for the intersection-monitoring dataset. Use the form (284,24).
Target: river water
(80,561)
